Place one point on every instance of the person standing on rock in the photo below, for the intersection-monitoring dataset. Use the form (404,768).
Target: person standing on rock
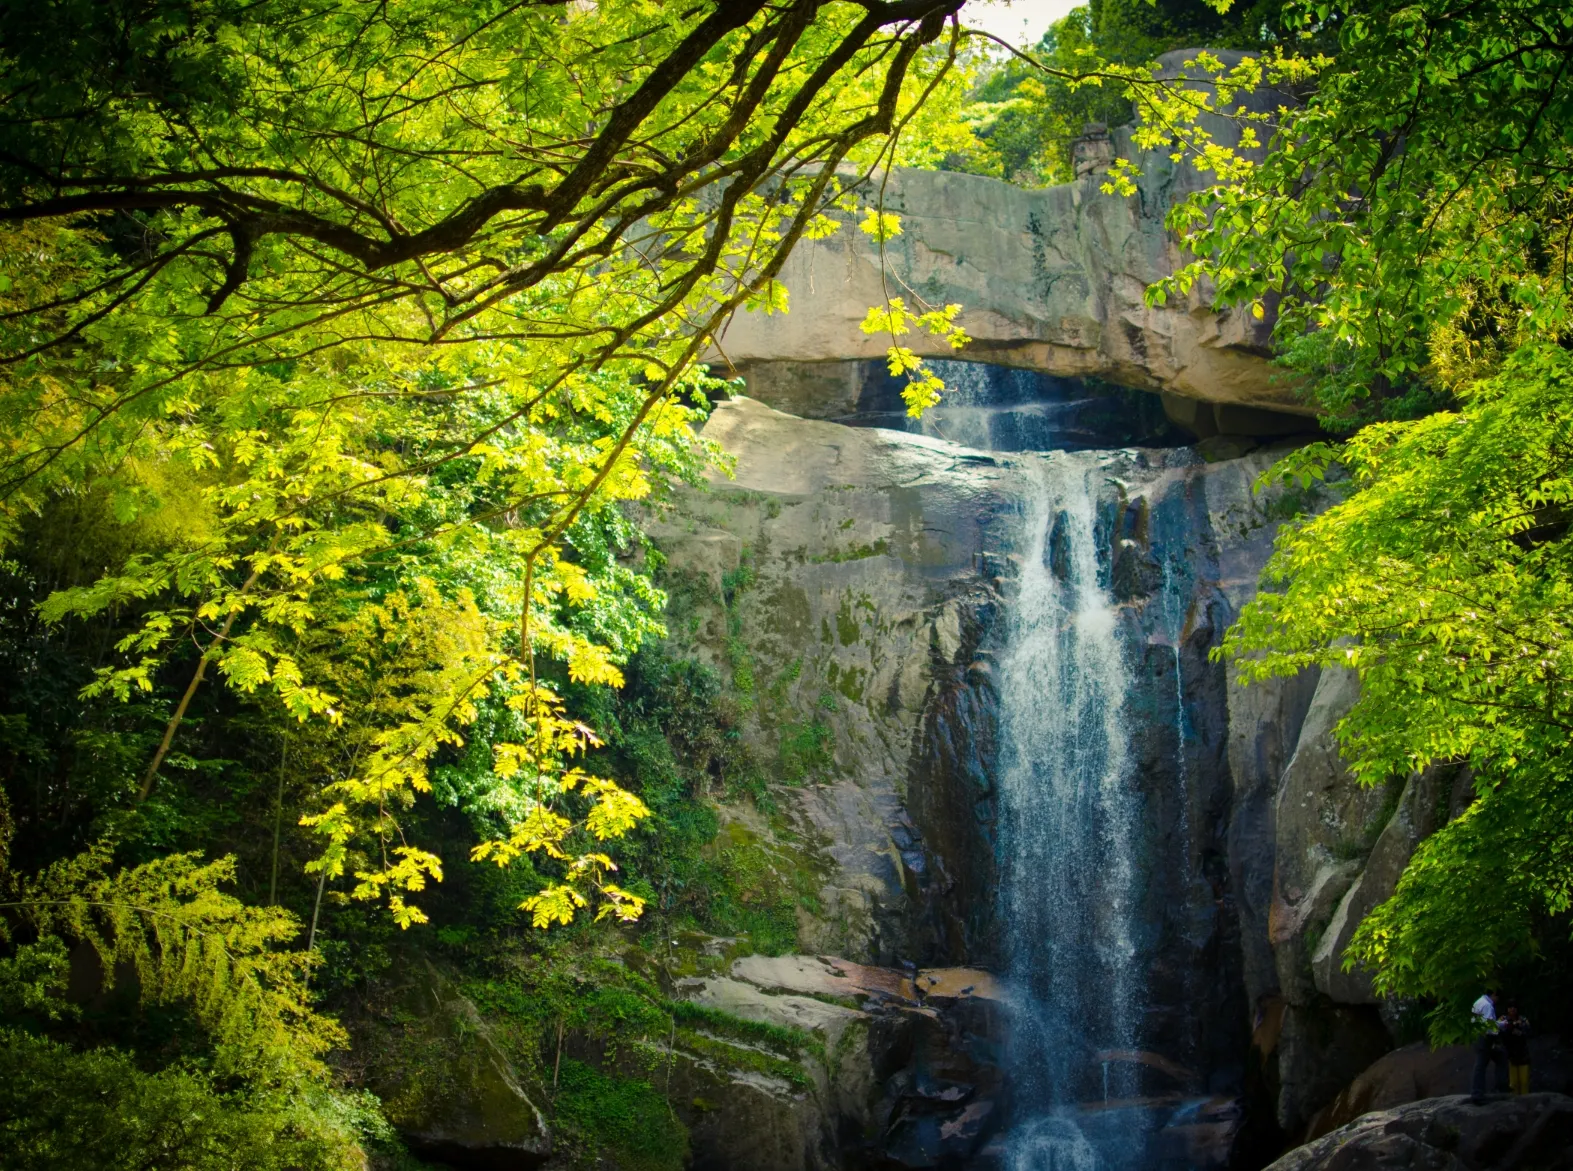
(1488,1044)
(1515,1039)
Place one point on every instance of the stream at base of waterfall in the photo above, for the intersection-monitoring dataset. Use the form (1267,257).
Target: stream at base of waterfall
(1070,843)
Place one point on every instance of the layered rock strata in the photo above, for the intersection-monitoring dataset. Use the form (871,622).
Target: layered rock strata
(1050,279)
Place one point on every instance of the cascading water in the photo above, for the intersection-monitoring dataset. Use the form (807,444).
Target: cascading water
(1070,834)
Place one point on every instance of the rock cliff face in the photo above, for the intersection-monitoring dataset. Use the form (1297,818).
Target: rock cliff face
(1340,848)
(831,582)
(1050,279)
(855,588)
(853,584)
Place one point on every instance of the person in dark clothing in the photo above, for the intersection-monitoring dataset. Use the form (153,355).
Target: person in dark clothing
(1488,1044)
(1515,1041)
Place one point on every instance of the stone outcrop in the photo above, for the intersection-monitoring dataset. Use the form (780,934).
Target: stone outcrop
(851,585)
(445,1081)
(829,582)
(854,579)
(892,1080)
(1415,1072)
(1049,279)
(1448,1134)
(1339,850)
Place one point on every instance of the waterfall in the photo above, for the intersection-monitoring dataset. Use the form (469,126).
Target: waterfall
(1070,836)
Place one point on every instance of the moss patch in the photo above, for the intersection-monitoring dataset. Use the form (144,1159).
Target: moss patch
(625,1118)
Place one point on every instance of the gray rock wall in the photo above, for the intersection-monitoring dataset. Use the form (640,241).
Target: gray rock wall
(1050,279)
(851,584)
(835,582)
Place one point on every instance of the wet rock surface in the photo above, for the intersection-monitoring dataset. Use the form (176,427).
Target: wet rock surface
(877,567)
(1448,1134)
(855,582)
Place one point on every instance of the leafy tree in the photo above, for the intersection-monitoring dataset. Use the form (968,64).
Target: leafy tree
(1409,223)
(1027,109)
(1134,32)
(1025,119)
(1410,220)
(315,298)
(335,342)
(1444,578)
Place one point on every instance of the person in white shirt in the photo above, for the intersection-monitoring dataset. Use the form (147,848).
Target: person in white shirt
(1488,1044)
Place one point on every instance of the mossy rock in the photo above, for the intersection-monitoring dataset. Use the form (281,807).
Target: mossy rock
(446,1082)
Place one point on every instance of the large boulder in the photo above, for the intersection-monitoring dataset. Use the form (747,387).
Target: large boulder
(1417,1071)
(893,1077)
(1049,279)
(445,1080)
(1448,1134)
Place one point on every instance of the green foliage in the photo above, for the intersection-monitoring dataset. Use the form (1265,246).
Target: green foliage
(337,346)
(61,1110)
(625,1117)
(32,980)
(1409,220)
(357,328)
(674,736)
(807,750)
(734,582)
(1477,898)
(1133,32)
(166,926)
(782,1037)
(1026,114)
(1410,215)
(1025,119)
(725,1053)
(1446,580)
(617,1108)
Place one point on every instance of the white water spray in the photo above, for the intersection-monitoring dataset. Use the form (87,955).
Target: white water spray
(1069,834)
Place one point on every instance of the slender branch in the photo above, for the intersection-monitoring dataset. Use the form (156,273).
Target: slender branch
(170,729)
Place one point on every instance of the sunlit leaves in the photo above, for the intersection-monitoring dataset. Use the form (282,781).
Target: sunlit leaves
(168,929)
(881,225)
(542,769)
(1401,216)
(555,904)
(393,323)
(923,386)
(1444,577)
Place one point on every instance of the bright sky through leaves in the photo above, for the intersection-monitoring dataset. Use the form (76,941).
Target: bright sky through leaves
(1017,21)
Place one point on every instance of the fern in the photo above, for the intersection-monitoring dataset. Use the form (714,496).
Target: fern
(189,944)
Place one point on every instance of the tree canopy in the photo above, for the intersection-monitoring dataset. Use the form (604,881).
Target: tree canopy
(338,343)
(366,320)
(1410,223)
